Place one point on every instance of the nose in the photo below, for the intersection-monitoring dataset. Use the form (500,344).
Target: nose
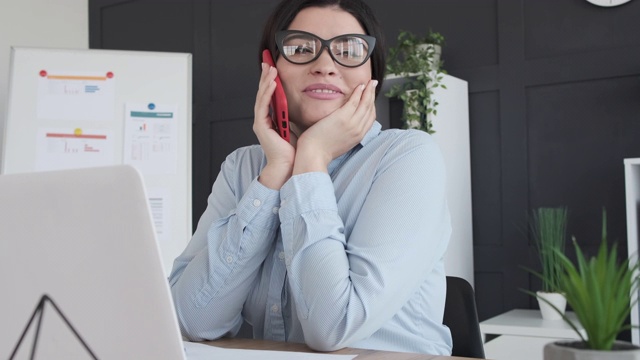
(324,64)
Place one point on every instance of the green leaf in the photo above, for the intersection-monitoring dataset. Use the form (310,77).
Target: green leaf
(409,60)
(598,289)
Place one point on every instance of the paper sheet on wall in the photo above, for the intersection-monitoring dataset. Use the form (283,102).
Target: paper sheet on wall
(68,95)
(160,205)
(150,138)
(70,148)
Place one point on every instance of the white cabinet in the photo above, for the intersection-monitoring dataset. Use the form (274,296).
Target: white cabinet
(522,334)
(632,191)
(452,135)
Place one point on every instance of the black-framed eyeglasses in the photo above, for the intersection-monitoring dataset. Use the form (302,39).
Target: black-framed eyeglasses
(301,47)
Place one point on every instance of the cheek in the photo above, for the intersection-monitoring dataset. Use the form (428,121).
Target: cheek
(287,78)
(362,75)
(293,97)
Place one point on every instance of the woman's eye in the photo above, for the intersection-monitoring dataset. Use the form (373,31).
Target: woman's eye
(348,49)
(304,49)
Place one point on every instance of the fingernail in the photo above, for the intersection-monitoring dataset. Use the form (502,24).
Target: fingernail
(375,83)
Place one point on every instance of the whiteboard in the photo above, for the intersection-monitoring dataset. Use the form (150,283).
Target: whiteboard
(71,108)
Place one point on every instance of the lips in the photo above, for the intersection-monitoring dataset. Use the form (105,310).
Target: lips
(323,88)
(323,91)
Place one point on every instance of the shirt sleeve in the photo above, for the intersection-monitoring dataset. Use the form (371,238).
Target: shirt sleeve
(211,279)
(346,286)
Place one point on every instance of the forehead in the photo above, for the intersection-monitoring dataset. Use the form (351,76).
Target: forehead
(326,22)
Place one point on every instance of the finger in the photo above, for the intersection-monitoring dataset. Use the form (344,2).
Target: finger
(356,96)
(366,106)
(371,96)
(267,76)
(266,88)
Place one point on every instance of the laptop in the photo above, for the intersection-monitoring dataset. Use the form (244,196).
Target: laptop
(80,268)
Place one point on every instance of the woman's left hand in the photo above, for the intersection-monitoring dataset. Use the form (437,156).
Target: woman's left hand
(337,133)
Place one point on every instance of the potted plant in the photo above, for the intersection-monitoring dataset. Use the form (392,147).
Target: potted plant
(418,58)
(549,227)
(599,291)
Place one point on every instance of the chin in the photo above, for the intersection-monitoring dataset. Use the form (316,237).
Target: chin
(312,116)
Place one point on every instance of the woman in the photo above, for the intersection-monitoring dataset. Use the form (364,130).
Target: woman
(338,238)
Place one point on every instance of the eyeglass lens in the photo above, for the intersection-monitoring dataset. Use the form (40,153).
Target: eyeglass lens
(347,50)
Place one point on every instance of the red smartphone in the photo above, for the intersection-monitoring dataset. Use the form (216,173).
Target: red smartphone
(279,108)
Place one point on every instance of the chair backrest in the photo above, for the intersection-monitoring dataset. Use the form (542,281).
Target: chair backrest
(461,316)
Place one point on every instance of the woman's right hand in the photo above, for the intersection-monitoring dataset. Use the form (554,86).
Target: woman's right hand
(280,154)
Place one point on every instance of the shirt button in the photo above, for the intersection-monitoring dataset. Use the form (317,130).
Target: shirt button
(275,210)
(257,202)
(229,259)
(274,308)
(281,255)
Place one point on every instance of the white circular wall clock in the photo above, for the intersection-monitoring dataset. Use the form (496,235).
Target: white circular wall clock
(608,3)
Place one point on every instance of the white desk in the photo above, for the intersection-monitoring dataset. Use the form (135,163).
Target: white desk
(361,354)
(523,332)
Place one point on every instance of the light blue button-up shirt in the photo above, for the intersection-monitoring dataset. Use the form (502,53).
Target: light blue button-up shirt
(349,258)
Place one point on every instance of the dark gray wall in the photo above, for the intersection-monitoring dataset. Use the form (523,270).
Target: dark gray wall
(554,98)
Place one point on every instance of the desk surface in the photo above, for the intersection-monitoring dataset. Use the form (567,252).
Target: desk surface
(363,354)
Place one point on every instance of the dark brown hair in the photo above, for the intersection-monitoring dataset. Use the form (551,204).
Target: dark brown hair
(286,11)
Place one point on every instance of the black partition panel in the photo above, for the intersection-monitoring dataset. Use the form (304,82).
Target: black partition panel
(554,99)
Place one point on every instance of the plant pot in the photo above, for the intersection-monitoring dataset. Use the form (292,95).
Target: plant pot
(548,312)
(576,350)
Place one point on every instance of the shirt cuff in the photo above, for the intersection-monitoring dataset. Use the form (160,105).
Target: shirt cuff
(259,206)
(306,192)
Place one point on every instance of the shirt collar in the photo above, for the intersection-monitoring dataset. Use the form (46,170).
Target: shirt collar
(370,135)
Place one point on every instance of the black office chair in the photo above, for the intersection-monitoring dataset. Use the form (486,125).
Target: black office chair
(461,316)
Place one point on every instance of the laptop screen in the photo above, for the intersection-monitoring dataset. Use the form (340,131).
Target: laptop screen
(81,271)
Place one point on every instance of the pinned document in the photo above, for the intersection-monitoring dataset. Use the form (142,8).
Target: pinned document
(69,148)
(151,138)
(74,95)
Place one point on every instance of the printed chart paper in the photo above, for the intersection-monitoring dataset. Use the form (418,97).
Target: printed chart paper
(66,95)
(69,148)
(151,139)
(160,205)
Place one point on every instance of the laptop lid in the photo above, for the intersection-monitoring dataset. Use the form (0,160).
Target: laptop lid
(80,268)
